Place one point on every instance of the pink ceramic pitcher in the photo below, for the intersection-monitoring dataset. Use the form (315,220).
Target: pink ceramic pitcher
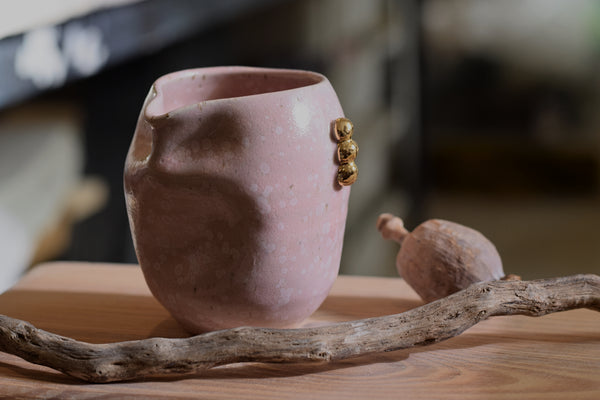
(232,197)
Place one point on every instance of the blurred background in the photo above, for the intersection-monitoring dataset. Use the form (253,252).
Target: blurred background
(478,111)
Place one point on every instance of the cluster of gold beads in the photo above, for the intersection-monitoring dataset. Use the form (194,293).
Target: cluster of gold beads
(347,152)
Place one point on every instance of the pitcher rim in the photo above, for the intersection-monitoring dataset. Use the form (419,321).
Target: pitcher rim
(156,89)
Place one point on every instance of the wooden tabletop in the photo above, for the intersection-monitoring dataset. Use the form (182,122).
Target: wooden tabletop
(552,357)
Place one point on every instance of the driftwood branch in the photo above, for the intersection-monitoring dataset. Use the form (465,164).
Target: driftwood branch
(431,323)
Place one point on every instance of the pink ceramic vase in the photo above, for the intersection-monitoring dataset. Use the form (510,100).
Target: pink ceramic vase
(232,197)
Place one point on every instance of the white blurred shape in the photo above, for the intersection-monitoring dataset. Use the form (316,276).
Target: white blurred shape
(16,247)
(40,60)
(84,49)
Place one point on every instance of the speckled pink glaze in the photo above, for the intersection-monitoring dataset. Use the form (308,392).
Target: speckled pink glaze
(232,197)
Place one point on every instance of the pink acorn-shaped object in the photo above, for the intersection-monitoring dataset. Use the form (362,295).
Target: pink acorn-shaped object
(440,257)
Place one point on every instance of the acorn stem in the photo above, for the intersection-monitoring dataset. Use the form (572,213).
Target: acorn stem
(392,227)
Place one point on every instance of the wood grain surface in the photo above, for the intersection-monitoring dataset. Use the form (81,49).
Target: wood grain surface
(552,357)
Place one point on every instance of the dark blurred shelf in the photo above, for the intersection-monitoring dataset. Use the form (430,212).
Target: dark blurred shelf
(511,165)
(125,32)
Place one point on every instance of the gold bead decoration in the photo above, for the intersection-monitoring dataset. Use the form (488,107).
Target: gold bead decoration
(347,173)
(347,152)
(343,129)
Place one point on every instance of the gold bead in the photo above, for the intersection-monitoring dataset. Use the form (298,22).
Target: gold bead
(347,174)
(347,151)
(343,129)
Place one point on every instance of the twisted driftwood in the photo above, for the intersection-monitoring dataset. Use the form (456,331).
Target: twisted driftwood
(431,323)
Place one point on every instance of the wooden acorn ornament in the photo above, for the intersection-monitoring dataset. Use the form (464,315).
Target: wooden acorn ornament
(440,257)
